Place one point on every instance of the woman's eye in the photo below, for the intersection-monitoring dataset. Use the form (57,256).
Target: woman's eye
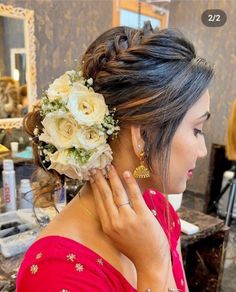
(197,131)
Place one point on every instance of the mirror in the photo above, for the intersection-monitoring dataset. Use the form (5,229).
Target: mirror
(17,65)
(134,13)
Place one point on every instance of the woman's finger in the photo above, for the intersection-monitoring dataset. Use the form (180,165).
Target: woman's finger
(99,203)
(134,193)
(106,195)
(119,194)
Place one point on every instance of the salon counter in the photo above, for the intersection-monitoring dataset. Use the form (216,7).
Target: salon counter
(8,272)
(16,160)
(203,254)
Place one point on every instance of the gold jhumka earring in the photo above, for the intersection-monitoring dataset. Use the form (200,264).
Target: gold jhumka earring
(141,171)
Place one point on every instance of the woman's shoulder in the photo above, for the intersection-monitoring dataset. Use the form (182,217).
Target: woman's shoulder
(54,263)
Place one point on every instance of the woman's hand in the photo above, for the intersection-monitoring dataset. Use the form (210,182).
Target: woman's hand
(127,220)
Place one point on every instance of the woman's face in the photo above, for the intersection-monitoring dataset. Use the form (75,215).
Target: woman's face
(188,145)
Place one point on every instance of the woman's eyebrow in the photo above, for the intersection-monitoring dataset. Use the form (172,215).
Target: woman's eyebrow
(206,116)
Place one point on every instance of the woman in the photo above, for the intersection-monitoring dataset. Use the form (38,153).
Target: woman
(119,233)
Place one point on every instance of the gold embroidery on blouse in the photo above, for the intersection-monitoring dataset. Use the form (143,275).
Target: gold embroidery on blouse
(100,262)
(34,269)
(71,257)
(79,267)
(39,255)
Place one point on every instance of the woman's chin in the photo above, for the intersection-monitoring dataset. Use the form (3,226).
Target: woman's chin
(176,190)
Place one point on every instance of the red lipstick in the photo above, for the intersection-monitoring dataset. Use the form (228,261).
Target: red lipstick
(190,173)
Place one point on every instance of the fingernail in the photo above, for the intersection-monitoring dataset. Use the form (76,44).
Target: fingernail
(126,174)
(108,167)
(93,171)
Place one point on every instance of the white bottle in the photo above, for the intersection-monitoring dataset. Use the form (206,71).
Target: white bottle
(25,194)
(9,185)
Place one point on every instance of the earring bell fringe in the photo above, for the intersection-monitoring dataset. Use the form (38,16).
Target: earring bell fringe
(141,172)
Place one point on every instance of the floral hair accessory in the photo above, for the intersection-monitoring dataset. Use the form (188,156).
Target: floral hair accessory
(76,125)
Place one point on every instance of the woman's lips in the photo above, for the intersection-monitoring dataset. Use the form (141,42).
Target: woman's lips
(190,173)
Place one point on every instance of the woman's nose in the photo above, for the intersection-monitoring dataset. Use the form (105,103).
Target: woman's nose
(202,149)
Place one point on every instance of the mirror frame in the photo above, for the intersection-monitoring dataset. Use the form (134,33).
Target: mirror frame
(30,48)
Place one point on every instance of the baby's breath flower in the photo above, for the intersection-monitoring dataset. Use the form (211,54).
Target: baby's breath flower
(36,131)
(90,81)
(109,132)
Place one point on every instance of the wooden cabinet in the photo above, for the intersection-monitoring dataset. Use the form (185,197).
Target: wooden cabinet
(204,252)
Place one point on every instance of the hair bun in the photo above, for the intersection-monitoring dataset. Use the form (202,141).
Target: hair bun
(147,27)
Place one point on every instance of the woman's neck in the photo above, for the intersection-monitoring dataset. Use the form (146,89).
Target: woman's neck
(86,202)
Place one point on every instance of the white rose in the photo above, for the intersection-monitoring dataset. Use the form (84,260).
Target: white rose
(77,87)
(65,164)
(61,87)
(68,165)
(90,138)
(87,107)
(60,129)
(99,159)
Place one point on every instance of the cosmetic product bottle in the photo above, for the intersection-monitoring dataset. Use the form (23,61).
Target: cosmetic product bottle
(9,185)
(25,194)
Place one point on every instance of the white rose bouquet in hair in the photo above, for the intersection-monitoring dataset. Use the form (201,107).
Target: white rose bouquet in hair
(76,125)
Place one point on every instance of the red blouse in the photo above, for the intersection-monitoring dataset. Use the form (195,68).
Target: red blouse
(59,264)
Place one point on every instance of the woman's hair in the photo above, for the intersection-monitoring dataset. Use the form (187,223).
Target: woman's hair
(22,93)
(151,77)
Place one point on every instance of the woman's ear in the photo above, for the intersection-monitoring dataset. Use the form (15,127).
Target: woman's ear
(137,141)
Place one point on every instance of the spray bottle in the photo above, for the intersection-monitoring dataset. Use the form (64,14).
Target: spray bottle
(9,185)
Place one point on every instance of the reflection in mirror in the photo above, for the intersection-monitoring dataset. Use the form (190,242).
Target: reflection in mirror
(17,65)
(135,13)
(13,86)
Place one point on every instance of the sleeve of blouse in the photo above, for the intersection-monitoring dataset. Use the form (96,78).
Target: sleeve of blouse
(61,276)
